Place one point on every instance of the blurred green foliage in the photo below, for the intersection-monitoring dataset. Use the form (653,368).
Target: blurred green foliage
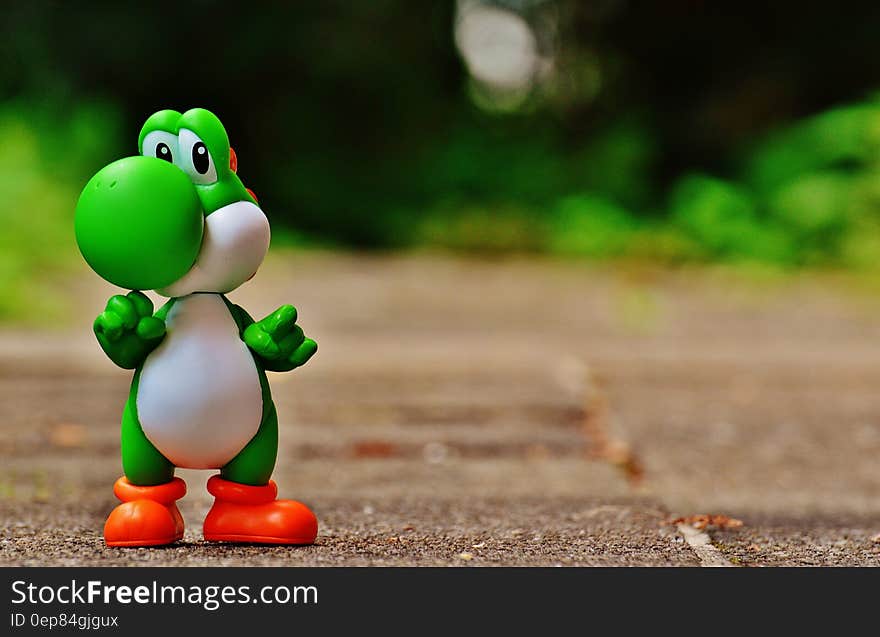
(41,166)
(672,132)
(807,194)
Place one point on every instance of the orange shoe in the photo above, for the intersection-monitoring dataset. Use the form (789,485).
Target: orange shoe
(243,513)
(147,515)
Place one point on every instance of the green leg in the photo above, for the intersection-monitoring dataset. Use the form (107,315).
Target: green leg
(141,461)
(254,464)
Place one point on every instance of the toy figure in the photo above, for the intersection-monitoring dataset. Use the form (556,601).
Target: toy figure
(176,219)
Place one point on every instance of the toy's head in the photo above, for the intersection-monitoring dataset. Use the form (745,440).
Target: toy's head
(175,218)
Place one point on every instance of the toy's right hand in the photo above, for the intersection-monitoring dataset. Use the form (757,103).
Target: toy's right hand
(127,329)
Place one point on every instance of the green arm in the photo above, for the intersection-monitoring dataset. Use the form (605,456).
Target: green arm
(277,342)
(127,329)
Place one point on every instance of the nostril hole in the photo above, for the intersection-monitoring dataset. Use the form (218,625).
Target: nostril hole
(97,185)
(113,184)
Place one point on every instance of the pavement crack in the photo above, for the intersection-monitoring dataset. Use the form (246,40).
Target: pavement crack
(579,380)
(701,544)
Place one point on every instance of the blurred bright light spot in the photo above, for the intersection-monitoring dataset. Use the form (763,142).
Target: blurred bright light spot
(500,51)
(498,46)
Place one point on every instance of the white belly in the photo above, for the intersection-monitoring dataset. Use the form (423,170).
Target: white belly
(199,399)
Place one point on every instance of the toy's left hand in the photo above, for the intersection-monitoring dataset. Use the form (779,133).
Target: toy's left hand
(279,341)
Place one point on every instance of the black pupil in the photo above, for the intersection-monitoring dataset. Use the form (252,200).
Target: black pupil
(201,161)
(163,152)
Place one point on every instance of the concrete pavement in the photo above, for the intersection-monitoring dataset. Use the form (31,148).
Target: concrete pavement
(518,412)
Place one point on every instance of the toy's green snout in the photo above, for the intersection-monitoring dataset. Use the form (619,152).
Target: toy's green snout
(139,223)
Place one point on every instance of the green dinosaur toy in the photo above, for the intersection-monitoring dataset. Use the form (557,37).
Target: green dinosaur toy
(176,219)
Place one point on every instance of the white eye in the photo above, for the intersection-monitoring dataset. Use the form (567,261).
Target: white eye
(195,158)
(162,145)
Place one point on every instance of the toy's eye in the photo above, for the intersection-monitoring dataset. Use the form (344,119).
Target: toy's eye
(196,158)
(163,152)
(201,159)
(162,145)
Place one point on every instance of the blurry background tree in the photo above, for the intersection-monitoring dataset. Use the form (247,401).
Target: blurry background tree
(679,130)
